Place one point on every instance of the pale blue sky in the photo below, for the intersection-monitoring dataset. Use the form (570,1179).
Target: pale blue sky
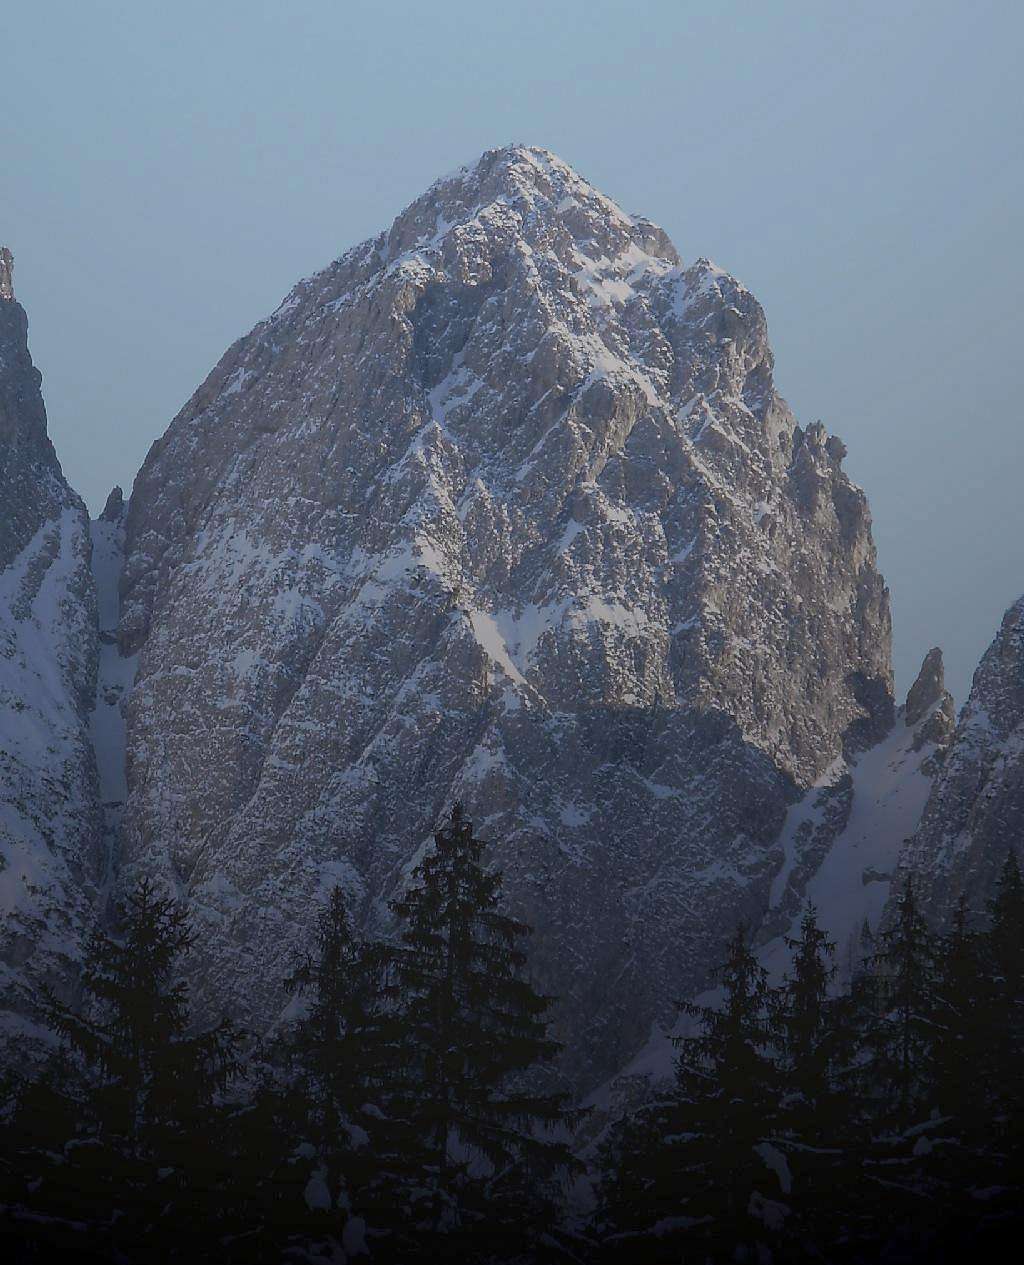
(169,170)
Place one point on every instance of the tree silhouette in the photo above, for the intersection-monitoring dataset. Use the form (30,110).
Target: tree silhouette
(139,1086)
(468,1029)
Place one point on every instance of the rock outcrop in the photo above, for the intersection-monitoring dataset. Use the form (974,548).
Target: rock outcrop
(6,275)
(975,812)
(841,842)
(502,505)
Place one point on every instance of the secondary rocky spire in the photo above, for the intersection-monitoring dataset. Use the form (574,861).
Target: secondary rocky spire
(975,813)
(6,274)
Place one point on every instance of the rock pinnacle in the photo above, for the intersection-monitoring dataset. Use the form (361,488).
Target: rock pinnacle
(6,274)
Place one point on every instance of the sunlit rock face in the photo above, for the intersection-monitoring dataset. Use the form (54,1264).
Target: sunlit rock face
(975,813)
(501,506)
(51,856)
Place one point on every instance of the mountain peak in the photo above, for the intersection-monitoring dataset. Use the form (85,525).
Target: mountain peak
(500,507)
(534,193)
(527,165)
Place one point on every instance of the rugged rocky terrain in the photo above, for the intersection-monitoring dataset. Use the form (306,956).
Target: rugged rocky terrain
(501,505)
(975,812)
(842,842)
(51,859)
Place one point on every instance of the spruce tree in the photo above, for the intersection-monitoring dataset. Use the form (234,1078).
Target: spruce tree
(467,1030)
(327,1042)
(904,1037)
(895,1080)
(960,1019)
(817,1125)
(952,1154)
(330,1137)
(1004,943)
(805,1022)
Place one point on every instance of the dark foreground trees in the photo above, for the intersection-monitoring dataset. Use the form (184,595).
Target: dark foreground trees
(414,1132)
(119,1135)
(688,1172)
(877,1124)
(399,1113)
(395,1113)
(466,1030)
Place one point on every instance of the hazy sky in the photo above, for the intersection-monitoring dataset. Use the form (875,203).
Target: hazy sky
(168,170)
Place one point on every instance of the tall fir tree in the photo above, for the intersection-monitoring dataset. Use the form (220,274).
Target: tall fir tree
(904,1036)
(805,1020)
(959,1014)
(301,1154)
(824,1126)
(1003,946)
(328,1042)
(468,1029)
(896,1075)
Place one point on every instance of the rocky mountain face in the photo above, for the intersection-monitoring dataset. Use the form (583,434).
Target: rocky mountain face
(975,813)
(503,506)
(843,841)
(51,861)
(841,844)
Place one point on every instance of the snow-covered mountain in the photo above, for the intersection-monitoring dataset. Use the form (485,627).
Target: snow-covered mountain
(975,813)
(502,505)
(51,856)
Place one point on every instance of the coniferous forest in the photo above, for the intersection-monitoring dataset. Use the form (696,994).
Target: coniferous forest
(401,1110)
